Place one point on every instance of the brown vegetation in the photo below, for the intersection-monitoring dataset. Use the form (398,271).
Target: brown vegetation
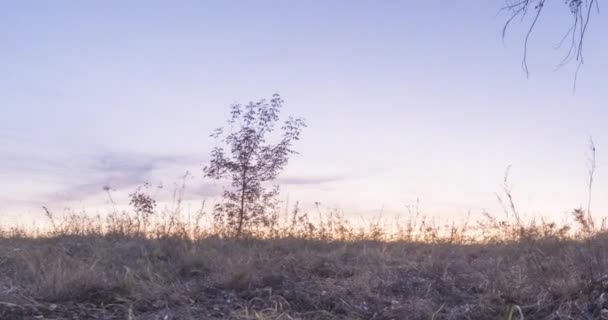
(125,267)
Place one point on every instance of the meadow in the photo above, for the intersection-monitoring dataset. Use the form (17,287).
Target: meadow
(168,266)
(405,98)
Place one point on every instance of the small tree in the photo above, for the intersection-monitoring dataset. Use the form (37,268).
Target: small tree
(250,162)
(144,206)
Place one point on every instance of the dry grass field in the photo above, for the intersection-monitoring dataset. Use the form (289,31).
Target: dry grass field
(84,268)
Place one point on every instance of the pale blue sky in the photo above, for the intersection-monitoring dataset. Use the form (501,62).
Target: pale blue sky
(404,100)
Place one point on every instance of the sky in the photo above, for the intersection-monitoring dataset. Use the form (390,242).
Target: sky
(406,101)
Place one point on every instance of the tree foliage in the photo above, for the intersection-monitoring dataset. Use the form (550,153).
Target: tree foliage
(246,158)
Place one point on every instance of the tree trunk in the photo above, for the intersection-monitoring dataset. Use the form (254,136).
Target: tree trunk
(239,228)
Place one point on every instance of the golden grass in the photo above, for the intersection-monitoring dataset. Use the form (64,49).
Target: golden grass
(123,266)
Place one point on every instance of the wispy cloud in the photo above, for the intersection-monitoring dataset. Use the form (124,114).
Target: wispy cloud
(311,180)
(80,177)
(120,171)
(205,190)
(320,179)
